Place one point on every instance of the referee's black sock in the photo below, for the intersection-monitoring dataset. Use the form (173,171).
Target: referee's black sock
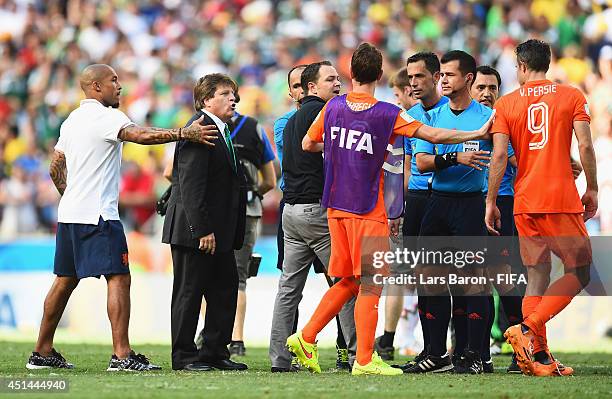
(460,323)
(478,319)
(387,339)
(295,321)
(340,341)
(512,302)
(485,352)
(422,309)
(438,316)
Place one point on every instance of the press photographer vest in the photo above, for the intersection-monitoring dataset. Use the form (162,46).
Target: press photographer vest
(249,148)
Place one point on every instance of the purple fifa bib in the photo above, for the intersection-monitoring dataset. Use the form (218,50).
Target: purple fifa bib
(355,147)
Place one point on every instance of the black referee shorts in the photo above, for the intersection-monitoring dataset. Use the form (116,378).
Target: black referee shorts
(416,204)
(454,214)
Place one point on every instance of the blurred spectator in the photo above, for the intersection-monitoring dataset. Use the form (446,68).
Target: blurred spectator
(137,195)
(160,47)
(17,197)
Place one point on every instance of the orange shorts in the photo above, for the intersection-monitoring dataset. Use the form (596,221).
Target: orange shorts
(353,243)
(562,233)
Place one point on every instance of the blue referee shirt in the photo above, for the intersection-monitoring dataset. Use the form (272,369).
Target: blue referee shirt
(507,184)
(459,178)
(418,180)
(279,126)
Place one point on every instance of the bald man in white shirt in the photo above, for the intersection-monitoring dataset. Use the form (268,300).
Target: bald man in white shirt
(90,241)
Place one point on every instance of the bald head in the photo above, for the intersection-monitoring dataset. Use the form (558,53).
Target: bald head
(100,82)
(94,73)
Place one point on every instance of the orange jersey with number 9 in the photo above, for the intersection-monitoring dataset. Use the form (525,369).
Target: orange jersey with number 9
(539,118)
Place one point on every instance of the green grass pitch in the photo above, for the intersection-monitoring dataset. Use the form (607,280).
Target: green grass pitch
(89,379)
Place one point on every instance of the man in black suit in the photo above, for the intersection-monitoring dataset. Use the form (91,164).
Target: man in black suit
(204,224)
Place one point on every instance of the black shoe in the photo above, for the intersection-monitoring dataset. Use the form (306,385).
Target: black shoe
(470,363)
(456,358)
(227,364)
(385,352)
(295,364)
(487,367)
(291,369)
(411,363)
(342,359)
(134,362)
(236,348)
(55,360)
(514,368)
(197,366)
(431,363)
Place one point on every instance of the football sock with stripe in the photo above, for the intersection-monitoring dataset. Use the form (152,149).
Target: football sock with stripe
(438,316)
(460,323)
(511,301)
(477,321)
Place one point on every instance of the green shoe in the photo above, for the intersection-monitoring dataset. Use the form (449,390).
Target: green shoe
(306,354)
(376,367)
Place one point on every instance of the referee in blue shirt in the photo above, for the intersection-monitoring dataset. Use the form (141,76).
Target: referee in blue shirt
(422,75)
(454,209)
(485,90)
(296,93)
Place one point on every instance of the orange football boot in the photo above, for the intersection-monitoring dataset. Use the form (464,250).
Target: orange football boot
(522,346)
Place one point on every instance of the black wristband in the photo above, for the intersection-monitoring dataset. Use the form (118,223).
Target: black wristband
(446,160)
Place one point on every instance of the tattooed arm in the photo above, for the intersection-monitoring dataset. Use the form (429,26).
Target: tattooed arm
(57,171)
(154,135)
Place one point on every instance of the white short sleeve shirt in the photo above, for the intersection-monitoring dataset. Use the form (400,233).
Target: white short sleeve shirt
(88,139)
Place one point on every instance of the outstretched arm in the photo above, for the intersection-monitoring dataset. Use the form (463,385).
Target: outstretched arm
(438,135)
(57,171)
(155,135)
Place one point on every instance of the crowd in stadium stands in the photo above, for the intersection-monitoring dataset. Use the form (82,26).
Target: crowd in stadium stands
(160,47)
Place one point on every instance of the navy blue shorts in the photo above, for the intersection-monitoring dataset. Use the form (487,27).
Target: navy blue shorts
(416,204)
(454,214)
(87,250)
(504,249)
(505,204)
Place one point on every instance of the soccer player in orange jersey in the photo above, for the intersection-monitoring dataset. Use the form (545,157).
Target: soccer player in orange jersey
(538,119)
(356,129)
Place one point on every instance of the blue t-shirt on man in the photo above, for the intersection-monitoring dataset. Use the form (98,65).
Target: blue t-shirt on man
(506,186)
(418,180)
(458,178)
(279,126)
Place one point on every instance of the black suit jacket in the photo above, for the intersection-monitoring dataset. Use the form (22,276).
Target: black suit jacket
(208,195)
